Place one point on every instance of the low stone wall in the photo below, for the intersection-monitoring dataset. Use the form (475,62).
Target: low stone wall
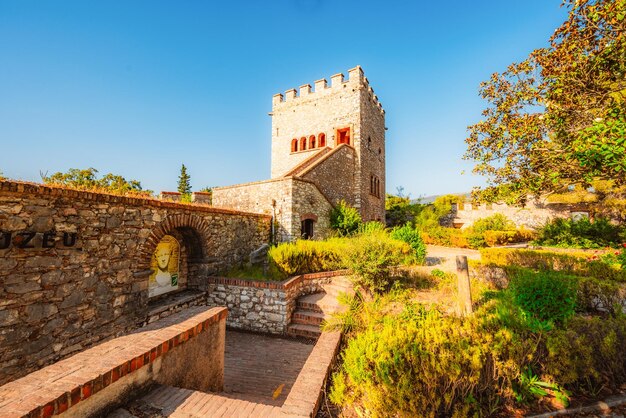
(185,350)
(264,306)
(75,265)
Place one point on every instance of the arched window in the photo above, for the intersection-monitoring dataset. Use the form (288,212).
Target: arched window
(374,185)
(312,142)
(321,140)
(294,145)
(302,143)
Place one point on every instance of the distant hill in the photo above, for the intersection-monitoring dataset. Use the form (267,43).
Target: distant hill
(425,200)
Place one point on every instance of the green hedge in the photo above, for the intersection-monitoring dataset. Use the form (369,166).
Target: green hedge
(304,256)
(577,263)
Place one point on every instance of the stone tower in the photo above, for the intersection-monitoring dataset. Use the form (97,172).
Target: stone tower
(333,136)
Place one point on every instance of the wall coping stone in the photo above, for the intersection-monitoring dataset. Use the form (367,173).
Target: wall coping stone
(20,187)
(161,305)
(55,388)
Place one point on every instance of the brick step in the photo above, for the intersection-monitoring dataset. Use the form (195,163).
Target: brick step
(302,330)
(336,290)
(308,306)
(307,317)
(169,401)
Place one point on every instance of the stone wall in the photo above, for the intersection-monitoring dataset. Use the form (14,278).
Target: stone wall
(263,306)
(288,198)
(533,215)
(372,157)
(57,299)
(334,176)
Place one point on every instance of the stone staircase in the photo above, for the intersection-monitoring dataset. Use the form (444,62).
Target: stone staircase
(311,310)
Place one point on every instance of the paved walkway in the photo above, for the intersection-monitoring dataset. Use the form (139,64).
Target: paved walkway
(259,372)
(257,365)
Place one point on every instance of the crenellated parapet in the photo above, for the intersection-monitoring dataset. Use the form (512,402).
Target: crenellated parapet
(356,79)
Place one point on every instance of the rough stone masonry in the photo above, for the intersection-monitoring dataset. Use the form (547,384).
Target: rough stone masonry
(74,265)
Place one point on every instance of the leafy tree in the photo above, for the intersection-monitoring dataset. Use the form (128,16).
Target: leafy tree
(399,210)
(184,185)
(558,117)
(603,198)
(87,179)
(345,219)
(430,216)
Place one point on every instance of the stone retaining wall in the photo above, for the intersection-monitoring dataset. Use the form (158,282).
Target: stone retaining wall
(263,306)
(74,265)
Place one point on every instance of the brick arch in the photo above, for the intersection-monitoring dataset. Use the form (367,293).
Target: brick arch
(193,229)
(310,216)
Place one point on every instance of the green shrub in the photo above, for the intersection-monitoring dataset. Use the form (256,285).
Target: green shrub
(370,227)
(494,238)
(544,297)
(448,237)
(581,233)
(476,233)
(305,256)
(412,237)
(417,362)
(371,257)
(621,258)
(497,222)
(594,295)
(588,354)
(345,219)
(402,359)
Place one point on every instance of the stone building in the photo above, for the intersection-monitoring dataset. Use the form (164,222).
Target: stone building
(328,145)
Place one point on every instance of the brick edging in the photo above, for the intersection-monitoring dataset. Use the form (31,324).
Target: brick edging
(42,406)
(309,276)
(285,284)
(305,394)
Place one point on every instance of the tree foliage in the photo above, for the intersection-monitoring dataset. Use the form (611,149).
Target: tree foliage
(430,216)
(558,117)
(399,210)
(345,219)
(87,179)
(184,183)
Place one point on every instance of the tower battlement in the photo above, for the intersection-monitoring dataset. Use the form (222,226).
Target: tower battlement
(356,79)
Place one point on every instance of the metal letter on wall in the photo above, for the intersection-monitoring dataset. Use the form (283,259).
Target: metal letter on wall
(164,265)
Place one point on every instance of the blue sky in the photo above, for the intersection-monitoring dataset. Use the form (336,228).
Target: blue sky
(138,87)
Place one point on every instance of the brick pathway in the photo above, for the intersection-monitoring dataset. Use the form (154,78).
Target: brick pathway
(255,368)
(256,365)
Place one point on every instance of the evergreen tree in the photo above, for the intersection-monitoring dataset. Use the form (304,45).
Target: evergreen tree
(184,186)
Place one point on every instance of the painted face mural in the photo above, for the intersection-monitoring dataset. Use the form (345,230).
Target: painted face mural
(164,265)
